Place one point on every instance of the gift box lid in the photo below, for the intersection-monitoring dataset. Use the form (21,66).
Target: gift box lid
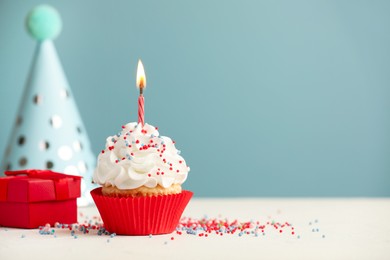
(38,185)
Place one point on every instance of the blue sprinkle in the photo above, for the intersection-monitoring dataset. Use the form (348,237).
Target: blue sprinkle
(55,236)
(178,152)
(150,235)
(317,230)
(298,237)
(108,240)
(263,234)
(165,242)
(75,237)
(191,232)
(323,236)
(316,221)
(313,230)
(309,223)
(23,236)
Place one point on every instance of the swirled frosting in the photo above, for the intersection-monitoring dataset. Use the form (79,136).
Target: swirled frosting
(138,156)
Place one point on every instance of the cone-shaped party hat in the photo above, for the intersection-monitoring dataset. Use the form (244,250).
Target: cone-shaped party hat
(49,132)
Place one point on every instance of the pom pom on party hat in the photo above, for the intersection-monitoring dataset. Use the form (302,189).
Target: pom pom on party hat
(49,132)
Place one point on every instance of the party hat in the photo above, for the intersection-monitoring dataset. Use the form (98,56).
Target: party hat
(49,132)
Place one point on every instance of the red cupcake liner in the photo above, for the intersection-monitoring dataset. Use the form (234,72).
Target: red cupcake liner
(142,215)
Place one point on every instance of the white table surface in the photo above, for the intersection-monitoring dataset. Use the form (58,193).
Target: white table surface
(353,229)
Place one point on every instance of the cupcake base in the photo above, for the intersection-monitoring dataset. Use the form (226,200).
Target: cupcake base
(141,215)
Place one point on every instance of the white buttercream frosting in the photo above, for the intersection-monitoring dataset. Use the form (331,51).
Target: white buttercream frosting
(139,156)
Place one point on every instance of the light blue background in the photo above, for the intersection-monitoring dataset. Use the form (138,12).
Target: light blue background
(264,98)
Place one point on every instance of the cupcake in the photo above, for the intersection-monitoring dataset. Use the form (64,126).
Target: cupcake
(141,174)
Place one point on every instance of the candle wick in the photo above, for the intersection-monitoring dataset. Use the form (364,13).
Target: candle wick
(141,91)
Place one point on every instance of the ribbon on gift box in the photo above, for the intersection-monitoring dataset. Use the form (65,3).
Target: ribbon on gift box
(63,189)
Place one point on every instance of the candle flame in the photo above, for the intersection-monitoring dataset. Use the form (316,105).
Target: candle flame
(141,79)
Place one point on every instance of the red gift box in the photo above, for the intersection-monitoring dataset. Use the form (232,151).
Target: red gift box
(33,198)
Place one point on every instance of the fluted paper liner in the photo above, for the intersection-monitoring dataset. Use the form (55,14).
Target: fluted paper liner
(142,215)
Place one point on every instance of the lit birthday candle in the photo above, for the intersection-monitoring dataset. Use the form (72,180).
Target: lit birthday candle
(141,84)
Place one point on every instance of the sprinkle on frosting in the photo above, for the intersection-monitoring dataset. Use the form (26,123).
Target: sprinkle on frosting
(138,156)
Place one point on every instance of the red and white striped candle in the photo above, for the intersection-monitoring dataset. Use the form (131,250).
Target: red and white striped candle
(141,84)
